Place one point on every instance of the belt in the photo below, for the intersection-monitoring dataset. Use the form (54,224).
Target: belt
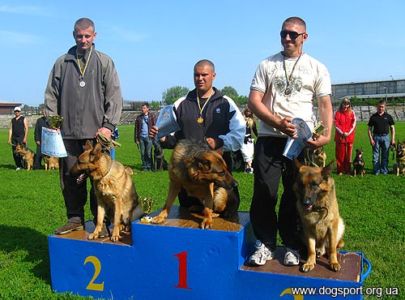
(383,134)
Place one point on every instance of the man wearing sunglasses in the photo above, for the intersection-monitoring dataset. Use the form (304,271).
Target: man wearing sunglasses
(283,88)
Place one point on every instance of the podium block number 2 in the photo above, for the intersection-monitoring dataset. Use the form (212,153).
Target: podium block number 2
(97,269)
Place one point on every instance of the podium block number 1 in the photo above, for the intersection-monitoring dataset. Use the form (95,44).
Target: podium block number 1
(182,258)
(97,269)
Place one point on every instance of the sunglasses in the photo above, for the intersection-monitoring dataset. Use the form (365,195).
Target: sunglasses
(293,35)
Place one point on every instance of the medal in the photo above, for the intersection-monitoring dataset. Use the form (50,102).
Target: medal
(288,90)
(200,119)
(82,83)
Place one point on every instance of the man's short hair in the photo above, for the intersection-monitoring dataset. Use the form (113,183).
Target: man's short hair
(203,62)
(296,20)
(84,23)
(145,104)
(382,101)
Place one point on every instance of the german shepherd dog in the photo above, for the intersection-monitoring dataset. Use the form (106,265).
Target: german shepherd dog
(114,189)
(358,163)
(51,162)
(204,175)
(26,154)
(319,213)
(400,158)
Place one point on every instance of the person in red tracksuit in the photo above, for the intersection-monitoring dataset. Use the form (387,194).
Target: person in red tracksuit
(345,123)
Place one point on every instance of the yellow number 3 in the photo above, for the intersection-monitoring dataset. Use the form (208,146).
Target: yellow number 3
(97,269)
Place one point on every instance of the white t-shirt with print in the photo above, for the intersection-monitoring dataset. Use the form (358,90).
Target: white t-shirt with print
(310,80)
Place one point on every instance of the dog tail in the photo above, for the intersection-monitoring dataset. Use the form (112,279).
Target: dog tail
(144,207)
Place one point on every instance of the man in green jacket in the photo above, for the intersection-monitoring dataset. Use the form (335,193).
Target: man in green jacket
(84,89)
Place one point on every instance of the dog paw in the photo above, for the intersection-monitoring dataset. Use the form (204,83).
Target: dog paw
(206,223)
(157,220)
(115,238)
(335,266)
(307,267)
(92,236)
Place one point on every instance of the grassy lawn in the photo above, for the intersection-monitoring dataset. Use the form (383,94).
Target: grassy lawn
(31,207)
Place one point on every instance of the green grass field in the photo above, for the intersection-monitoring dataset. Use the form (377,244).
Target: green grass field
(31,207)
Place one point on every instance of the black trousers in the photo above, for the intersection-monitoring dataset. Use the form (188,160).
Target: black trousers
(74,194)
(38,158)
(269,167)
(18,160)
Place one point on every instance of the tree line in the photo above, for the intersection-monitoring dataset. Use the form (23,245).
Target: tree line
(172,94)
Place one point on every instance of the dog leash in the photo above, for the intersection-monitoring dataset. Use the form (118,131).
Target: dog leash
(107,143)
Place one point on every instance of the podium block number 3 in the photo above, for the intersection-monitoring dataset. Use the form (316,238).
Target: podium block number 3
(97,269)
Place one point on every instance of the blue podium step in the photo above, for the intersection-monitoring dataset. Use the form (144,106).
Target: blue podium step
(177,260)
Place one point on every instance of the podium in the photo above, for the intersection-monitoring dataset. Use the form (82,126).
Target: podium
(178,260)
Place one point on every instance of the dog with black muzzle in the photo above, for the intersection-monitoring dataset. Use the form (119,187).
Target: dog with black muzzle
(399,167)
(318,209)
(114,189)
(203,173)
(358,163)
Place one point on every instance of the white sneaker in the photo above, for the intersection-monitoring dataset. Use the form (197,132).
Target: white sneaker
(261,254)
(291,257)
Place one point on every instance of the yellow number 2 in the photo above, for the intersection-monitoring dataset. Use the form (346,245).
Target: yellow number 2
(97,269)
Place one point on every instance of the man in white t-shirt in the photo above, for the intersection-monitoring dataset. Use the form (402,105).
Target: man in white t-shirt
(283,88)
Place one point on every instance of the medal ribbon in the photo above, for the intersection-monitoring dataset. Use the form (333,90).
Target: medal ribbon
(199,105)
(86,64)
(288,78)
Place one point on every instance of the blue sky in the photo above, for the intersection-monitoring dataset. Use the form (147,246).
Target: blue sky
(155,44)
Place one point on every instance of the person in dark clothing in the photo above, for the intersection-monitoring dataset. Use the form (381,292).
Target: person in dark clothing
(17,134)
(379,127)
(143,123)
(41,122)
(206,115)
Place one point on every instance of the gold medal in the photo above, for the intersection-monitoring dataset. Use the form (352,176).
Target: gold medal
(200,119)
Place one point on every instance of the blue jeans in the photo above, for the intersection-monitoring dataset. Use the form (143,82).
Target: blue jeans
(380,154)
(145,146)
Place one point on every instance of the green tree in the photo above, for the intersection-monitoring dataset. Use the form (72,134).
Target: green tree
(230,92)
(155,105)
(241,101)
(172,94)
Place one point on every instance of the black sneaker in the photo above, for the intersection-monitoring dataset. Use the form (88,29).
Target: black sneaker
(69,227)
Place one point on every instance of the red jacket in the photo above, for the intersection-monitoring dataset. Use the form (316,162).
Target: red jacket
(345,122)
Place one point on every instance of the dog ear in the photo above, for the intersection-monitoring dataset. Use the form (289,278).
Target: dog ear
(327,170)
(298,164)
(88,145)
(97,149)
(203,164)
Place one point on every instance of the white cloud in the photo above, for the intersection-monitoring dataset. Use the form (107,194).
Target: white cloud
(12,37)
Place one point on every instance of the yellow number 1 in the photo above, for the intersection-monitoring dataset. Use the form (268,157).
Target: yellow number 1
(97,269)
